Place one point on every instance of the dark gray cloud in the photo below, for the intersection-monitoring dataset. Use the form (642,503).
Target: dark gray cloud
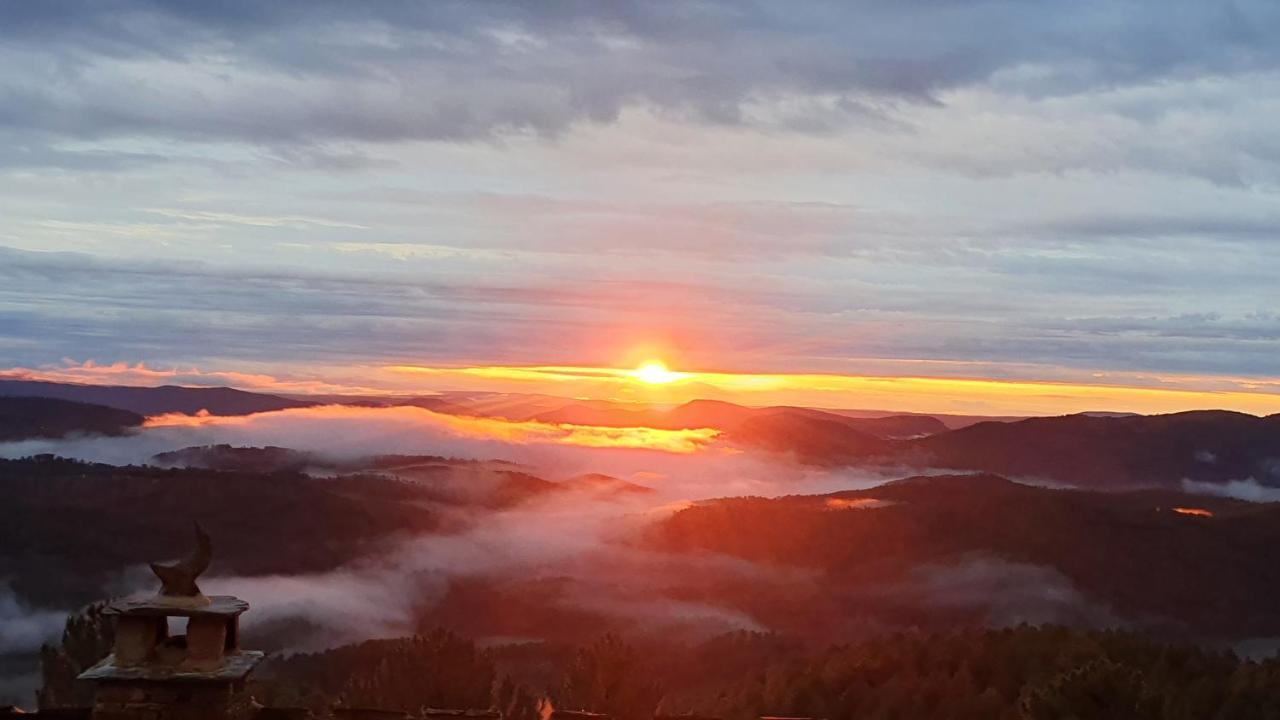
(308,72)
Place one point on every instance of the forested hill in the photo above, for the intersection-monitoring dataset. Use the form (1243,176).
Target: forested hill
(923,549)
(57,513)
(154,400)
(1085,450)
(23,418)
(1023,673)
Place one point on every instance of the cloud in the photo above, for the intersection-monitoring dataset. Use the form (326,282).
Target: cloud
(23,629)
(388,595)
(680,465)
(161,311)
(565,536)
(1008,593)
(1249,490)
(817,187)
(464,71)
(341,431)
(576,542)
(287,221)
(139,374)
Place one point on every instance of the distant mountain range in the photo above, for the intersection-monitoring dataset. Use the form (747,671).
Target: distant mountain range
(1108,452)
(1103,450)
(732,418)
(489,484)
(154,400)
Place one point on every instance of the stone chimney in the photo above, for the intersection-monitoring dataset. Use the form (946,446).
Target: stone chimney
(198,675)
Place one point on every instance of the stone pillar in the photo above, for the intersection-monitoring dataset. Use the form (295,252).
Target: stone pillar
(137,637)
(206,642)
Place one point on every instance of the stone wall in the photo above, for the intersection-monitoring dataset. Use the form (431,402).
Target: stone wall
(170,701)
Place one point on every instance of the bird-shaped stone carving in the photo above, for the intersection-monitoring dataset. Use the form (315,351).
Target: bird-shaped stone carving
(179,579)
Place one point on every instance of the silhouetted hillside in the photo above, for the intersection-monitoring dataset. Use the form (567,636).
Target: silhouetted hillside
(694,414)
(37,417)
(239,459)
(900,426)
(948,548)
(746,424)
(488,484)
(601,485)
(1109,452)
(810,438)
(154,400)
(58,514)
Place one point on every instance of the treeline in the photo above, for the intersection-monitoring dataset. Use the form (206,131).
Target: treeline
(440,669)
(1023,673)
(1047,673)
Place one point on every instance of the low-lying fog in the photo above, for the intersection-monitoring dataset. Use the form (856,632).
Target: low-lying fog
(569,551)
(566,536)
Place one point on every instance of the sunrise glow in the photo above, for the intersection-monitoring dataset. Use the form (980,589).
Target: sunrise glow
(907,393)
(655,372)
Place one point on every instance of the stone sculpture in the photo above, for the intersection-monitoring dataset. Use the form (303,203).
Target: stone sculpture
(178,581)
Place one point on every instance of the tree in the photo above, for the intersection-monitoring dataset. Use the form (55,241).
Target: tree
(608,676)
(87,637)
(1099,690)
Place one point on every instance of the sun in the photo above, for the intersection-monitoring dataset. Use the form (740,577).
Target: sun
(655,372)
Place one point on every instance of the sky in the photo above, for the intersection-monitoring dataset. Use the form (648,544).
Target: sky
(315,194)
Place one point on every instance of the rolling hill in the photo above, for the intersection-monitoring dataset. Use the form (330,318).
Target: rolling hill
(22,418)
(729,417)
(1111,452)
(154,400)
(1087,450)
(980,548)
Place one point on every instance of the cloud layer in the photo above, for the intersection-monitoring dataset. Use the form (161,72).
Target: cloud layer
(1040,189)
(458,70)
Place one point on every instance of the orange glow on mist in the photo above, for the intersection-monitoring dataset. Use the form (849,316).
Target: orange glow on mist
(652,381)
(959,395)
(1194,512)
(854,503)
(480,428)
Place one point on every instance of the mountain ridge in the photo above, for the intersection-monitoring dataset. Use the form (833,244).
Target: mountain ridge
(156,400)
